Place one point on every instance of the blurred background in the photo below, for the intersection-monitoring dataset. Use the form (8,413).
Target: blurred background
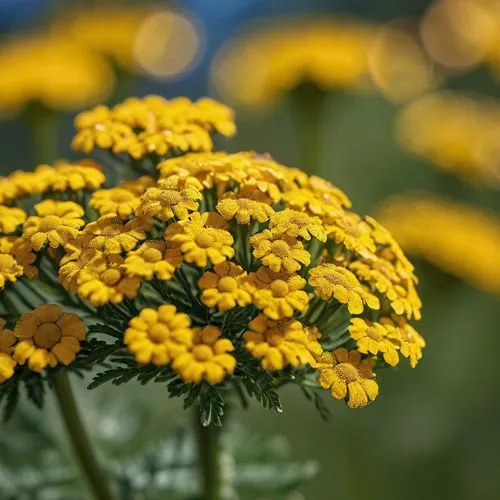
(395,102)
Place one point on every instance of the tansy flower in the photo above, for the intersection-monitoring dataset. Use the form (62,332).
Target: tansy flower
(207,358)
(348,377)
(279,295)
(48,336)
(7,342)
(8,190)
(411,341)
(10,219)
(223,288)
(25,257)
(31,183)
(374,338)
(7,366)
(297,224)
(56,223)
(243,209)
(174,197)
(86,174)
(158,336)
(113,236)
(10,269)
(281,343)
(329,280)
(151,260)
(201,239)
(280,254)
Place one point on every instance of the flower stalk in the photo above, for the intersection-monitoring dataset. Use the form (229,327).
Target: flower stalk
(44,133)
(78,437)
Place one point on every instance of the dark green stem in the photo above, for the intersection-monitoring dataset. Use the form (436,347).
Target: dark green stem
(43,123)
(78,436)
(208,457)
(308,102)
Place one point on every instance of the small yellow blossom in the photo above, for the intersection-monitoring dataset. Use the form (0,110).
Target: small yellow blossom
(112,236)
(10,269)
(223,288)
(280,254)
(31,183)
(201,239)
(279,295)
(10,219)
(281,343)
(207,358)
(56,223)
(297,224)
(85,174)
(158,336)
(25,257)
(7,366)
(411,341)
(331,281)
(243,209)
(348,377)
(374,338)
(7,338)
(8,190)
(48,336)
(151,260)
(173,197)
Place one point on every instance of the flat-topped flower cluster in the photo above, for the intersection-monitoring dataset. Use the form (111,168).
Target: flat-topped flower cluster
(218,267)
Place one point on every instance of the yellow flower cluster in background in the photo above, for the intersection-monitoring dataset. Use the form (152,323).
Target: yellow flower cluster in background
(456,133)
(459,239)
(51,70)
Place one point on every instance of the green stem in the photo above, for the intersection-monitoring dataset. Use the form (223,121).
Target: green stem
(208,457)
(78,436)
(44,130)
(308,103)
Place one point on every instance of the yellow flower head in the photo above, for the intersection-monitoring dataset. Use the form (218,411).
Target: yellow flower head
(279,295)
(223,287)
(56,223)
(7,366)
(280,254)
(158,336)
(243,209)
(85,174)
(281,343)
(376,338)
(8,190)
(331,281)
(173,197)
(112,236)
(30,183)
(201,239)
(48,336)
(207,358)
(10,269)
(152,260)
(7,338)
(10,219)
(411,342)
(297,225)
(348,377)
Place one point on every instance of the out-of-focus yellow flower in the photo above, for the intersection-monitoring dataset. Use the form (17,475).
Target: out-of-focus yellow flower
(53,71)
(85,174)
(48,336)
(30,183)
(207,358)
(153,126)
(151,260)
(8,190)
(223,287)
(10,269)
(7,366)
(262,65)
(282,343)
(459,239)
(10,219)
(348,377)
(158,336)
(56,223)
(457,133)
(7,343)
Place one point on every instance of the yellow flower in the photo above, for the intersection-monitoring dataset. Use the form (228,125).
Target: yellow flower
(279,295)
(10,219)
(31,183)
(222,287)
(259,67)
(158,336)
(50,69)
(374,338)
(280,254)
(207,358)
(201,239)
(411,342)
(7,338)
(297,224)
(281,343)
(7,366)
(25,257)
(112,236)
(243,209)
(8,190)
(175,196)
(56,223)
(85,174)
(331,281)
(48,336)
(10,269)
(348,377)
(151,260)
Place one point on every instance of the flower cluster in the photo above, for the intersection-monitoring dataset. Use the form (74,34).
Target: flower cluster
(213,267)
